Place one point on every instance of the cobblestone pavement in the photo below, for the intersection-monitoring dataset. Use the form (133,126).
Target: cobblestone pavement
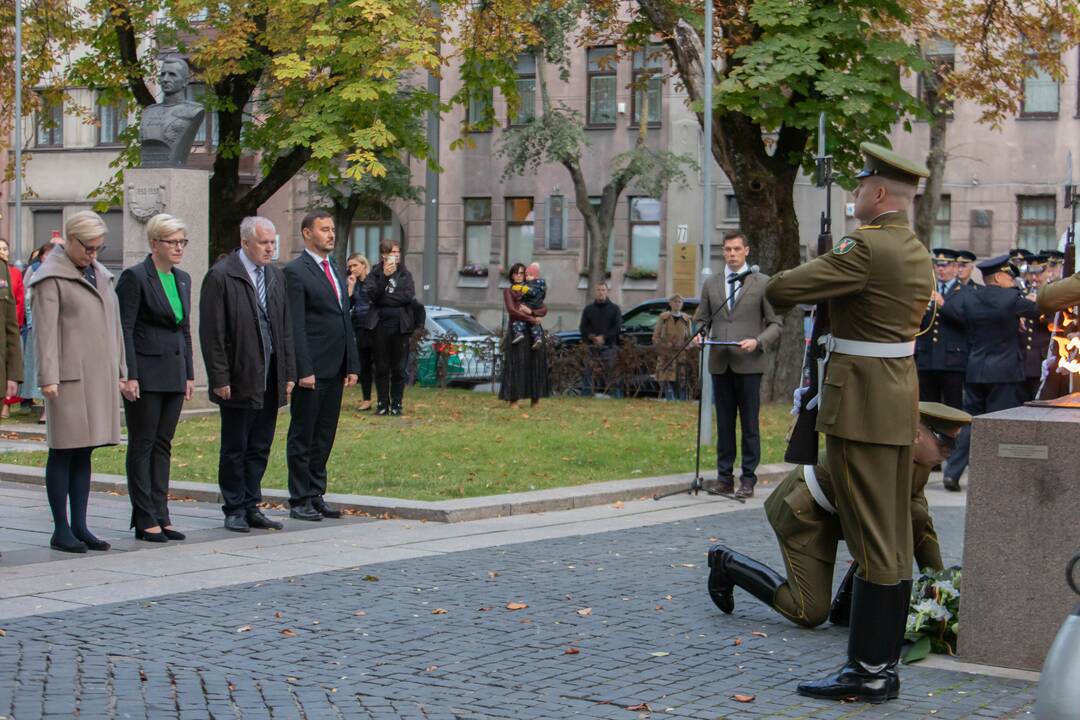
(614,620)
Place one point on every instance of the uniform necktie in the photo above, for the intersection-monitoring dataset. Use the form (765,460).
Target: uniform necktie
(330,278)
(941,288)
(732,279)
(260,286)
(90,275)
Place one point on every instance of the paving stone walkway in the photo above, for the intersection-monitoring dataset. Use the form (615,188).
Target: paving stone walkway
(617,625)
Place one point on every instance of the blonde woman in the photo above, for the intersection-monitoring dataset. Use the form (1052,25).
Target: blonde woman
(155,310)
(359,267)
(80,369)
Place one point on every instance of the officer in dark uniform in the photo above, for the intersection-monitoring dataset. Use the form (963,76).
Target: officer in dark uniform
(941,350)
(965,261)
(802,513)
(1035,334)
(877,281)
(1055,265)
(990,317)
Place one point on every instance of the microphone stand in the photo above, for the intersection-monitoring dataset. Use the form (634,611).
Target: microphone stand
(697,484)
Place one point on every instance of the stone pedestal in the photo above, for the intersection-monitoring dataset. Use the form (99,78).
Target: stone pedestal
(182,193)
(1022,528)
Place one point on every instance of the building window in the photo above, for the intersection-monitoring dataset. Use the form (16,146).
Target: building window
(940,234)
(941,54)
(525,110)
(595,202)
(1036,222)
(731,208)
(555,237)
(480,104)
(520,230)
(648,78)
(602,86)
(477,231)
(209,129)
(1040,96)
(645,234)
(50,124)
(371,225)
(112,120)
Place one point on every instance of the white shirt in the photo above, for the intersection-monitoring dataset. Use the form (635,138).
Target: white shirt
(250,267)
(319,261)
(731,296)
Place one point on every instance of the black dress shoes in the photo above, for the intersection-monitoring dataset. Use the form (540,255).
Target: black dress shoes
(158,537)
(325,510)
(395,410)
(746,488)
(94,543)
(305,512)
(951,484)
(237,523)
(382,410)
(173,534)
(68,544)
(256,519)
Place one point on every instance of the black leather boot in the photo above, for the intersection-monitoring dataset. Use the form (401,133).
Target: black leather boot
(840,612)
(878,620)
(729,568)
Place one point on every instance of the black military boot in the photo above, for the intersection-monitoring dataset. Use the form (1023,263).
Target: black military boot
(952,484)
(878,620)
(729,569)
(840,612)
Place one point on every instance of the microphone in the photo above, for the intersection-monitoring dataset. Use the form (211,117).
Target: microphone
(743,275)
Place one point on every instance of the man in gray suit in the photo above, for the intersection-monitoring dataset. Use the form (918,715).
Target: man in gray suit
(734,307)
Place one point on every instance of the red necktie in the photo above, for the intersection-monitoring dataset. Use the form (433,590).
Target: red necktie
(330,277)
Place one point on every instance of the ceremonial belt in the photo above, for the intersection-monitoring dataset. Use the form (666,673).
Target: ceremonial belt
(814,487)
(860,348)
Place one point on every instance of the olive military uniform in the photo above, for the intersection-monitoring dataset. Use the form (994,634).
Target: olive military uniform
(878,281)
(808,535)
(1061,294)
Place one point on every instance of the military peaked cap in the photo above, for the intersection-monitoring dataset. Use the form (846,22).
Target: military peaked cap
(965,256)
(999,264)
(943,256)
(942,417)
(883,162)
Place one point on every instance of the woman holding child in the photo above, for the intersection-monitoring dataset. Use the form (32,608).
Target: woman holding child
(524,367)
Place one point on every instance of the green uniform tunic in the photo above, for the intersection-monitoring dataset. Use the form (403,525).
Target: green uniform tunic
(878,281)
(1060,294)
(808,536)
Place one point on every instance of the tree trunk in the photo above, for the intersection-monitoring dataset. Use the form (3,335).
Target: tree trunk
(926,213)
(344,211)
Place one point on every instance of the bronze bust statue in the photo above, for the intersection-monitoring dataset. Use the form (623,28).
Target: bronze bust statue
(167,128)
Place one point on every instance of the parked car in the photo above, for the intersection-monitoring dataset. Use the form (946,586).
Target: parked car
(637,322)
(470,347)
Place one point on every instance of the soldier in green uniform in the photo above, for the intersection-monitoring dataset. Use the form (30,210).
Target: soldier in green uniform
(878,282)
(1060,294)
(802,513)
(11,364)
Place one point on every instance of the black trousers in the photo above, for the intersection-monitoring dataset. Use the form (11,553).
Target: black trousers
(246,437)
(737,394)
(367,360)
(942,387)
(312,429)
(979,399)
(151,424)
(389,352)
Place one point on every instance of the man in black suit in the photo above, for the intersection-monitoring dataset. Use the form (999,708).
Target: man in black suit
(941,351)
(247,343)
(990,317)
(326,363)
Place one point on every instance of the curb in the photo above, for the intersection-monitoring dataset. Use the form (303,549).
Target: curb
(444,511)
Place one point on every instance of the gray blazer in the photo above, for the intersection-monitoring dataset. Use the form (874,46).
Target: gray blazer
(752,317)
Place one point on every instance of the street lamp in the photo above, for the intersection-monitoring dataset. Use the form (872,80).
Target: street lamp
(17,128)
(705,433)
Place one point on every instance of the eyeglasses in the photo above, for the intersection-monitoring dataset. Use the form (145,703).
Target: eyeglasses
(178,243)
(946,441)
(92,249)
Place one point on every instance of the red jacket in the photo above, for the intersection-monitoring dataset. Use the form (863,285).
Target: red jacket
(19,292)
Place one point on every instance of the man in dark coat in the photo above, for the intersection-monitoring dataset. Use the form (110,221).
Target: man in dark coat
(247,344)
(326,363)
(941,351)
(601,321)
(990,317)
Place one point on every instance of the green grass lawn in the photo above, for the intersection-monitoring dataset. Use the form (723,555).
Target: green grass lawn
(456,444)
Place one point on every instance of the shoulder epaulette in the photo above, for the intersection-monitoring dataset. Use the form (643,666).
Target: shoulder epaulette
(870,227)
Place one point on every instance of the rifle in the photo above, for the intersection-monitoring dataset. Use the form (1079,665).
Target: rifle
(802,440)
(1055,383)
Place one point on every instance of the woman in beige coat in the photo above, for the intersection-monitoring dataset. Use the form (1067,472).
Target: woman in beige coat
(80,371)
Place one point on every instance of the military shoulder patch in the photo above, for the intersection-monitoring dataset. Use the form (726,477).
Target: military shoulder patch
(845,246)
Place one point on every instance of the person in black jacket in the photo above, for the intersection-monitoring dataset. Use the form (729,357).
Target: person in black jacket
(155,314)
(391,292)
(247,343)
(990,317)
(941,351)
(359,267)
(601,321)
(326,364)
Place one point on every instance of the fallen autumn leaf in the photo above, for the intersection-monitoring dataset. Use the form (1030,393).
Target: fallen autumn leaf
(584,611)
(288,633)
(571,651)
(438,611)
(516,606)
(243,628)
(737,697)
(758,633)
(639,707)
